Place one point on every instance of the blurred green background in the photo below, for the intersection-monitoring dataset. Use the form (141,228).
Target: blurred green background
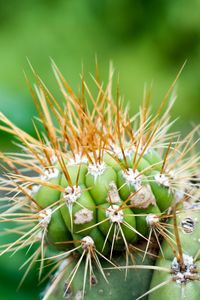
(148,41)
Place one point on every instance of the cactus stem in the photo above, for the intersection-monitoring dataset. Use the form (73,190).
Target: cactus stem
(180,257)
(117,179)
(166,282)
(90,252)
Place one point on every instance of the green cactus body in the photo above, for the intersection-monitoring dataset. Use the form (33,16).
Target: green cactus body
(113,161)
(81,214)
(154,159)
(118,287)
(98,181)
(142,225)
(45,195)
(102,196)
(180,283)
(173,289)
(101,190)
(116,217)
(57,232)
(161,191)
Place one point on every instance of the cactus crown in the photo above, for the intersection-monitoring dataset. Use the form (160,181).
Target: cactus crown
(96,182)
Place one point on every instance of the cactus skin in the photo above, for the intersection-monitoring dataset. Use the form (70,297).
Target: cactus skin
(173,290)
(57,232)
(189,234)
(129,288)
(94,191)
(105,190)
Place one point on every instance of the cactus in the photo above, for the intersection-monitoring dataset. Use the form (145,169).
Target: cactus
(109,201)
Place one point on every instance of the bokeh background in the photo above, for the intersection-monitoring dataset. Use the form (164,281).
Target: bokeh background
(148,42)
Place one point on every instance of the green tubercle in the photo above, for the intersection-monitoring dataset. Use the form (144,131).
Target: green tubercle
(117,223)
(78,209)
(160,186)
(98,178)
(57,232)
(46,196)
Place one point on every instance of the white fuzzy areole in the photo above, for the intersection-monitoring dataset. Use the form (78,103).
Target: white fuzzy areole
(72,194)
(45,217)
(152,219)
(120,154)
(117,151)
(78,159)
(115,214)
(34,189)
(83,216)
(87,242)
(182,276)
(133,178)
(96,169)
(31,191)
(50,174)
(162,179)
